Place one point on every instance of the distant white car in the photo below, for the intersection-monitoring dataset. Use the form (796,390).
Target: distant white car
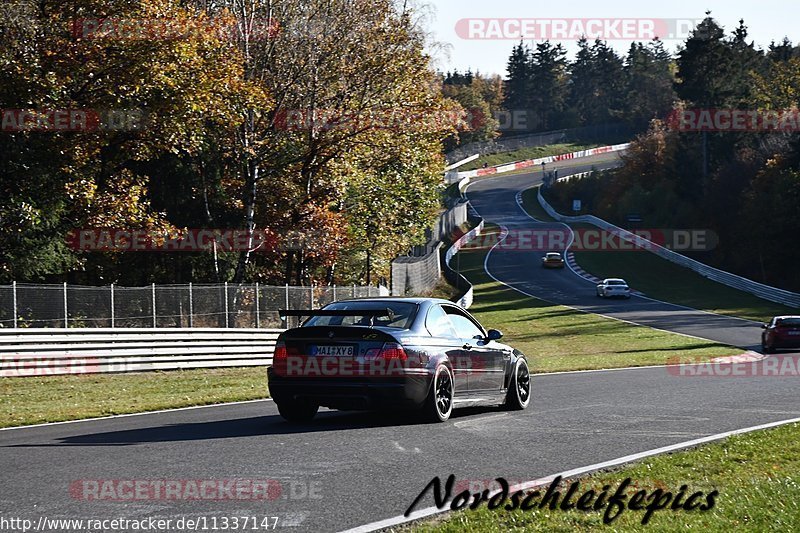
(613,288)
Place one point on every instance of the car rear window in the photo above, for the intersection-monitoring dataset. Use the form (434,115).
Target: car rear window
(615,282)
(788,322)
(402,317)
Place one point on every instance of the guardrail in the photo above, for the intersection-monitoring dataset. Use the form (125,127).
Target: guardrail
(466,300)
(455,177)
(761,290)
(49,351)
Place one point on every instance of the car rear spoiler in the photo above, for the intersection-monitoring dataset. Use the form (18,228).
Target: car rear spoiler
(371,313)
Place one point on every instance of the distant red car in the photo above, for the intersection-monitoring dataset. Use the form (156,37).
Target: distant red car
(781,332)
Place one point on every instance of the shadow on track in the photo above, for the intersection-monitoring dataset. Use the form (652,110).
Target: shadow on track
(252,427)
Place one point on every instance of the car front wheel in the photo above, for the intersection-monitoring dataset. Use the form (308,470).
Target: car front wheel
(518,396)
(439,404)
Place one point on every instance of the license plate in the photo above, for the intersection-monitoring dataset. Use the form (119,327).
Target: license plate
(334,351)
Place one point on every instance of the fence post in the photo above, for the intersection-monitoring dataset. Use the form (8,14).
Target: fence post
(334,292)
(287,296)
(311,297)
(258,309)
(191,307)
(226,304)
(354,290)
(66,314)
(153,287)
(14,299)
(112,305)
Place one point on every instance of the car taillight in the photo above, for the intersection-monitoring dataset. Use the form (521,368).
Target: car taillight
(280,351)
(390,350)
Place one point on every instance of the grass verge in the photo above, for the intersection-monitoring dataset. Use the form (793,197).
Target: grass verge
(558,338)
(35,400)
(663,280)
(533,152)
(757,476)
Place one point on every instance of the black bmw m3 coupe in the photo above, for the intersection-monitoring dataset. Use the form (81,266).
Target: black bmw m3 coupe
(422,354)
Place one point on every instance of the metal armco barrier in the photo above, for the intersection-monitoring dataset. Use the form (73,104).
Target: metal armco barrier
(766,292)
(455,177)
(466,300)
(48,351)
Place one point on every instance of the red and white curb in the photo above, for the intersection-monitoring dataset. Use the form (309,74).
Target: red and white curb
(747,357)
(578,270)
(530,163)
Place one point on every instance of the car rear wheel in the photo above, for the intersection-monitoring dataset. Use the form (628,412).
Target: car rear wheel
(518,396)
(297,411)
(767,348)
(439,404)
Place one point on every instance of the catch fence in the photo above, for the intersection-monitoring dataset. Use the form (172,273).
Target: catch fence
(163,306)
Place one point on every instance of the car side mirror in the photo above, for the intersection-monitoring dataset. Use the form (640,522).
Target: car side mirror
(494,335)
(764,326)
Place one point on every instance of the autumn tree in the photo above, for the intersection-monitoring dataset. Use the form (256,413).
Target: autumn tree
(165,81)
(336,71)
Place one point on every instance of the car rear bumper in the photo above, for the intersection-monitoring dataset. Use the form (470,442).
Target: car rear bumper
(791,342)
(408,392)
(619,294)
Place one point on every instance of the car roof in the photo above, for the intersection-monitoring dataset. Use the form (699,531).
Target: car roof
(781,317)
(614,279)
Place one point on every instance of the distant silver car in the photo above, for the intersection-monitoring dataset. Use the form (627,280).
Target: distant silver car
(613,288)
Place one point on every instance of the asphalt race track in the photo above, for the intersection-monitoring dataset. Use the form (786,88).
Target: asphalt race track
(348,469)
(365,467)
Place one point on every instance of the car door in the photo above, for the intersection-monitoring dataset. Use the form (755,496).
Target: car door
(486,359)
(444,339)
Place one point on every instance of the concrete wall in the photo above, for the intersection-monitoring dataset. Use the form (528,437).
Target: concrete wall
(416,275)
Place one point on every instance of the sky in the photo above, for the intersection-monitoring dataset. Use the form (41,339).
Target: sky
(474,44)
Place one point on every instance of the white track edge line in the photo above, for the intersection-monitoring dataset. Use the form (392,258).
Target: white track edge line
(143,413)
(486,269)
(518,199)
(430,511)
